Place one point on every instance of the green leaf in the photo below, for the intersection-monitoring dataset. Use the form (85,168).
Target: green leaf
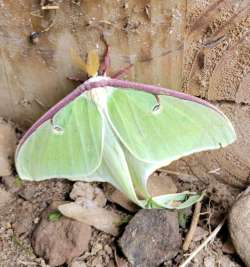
(54,215)
(183,217)
(18,181)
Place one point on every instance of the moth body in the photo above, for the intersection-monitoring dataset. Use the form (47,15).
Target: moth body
(115,131)
(99,95)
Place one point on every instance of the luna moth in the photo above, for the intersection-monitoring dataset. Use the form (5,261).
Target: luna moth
(118,131)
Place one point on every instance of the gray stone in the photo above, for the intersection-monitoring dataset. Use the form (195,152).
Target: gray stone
(151,237)
(88,195)
(160,184)
(239,226)
(59,241)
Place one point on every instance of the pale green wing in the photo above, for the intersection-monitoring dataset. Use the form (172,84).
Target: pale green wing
(114,167)
(129,175)
(178,128)
(68,146)
(140,171)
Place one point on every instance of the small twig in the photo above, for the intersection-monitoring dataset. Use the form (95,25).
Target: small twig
(215,171)
(147,11)
(194,223)
(203,244)
(49,7)
(204,213)
(36,13)
(182,176)
(209,216)
(27,263)
(214,41)
(40,103)
(76,2)
(50,25)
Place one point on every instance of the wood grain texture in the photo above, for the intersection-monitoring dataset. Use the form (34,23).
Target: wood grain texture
(199,47)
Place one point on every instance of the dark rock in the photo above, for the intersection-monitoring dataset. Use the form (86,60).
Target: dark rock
(239,226)
(151,237)
(59,241)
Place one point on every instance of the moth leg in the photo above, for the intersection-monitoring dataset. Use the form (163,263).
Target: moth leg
(158,105)
(106,61)
(121,72)
(75,79)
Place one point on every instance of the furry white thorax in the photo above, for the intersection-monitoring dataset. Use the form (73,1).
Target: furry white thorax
(99,95)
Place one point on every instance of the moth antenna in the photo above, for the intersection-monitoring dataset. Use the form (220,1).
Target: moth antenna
(106,61)
(121,72)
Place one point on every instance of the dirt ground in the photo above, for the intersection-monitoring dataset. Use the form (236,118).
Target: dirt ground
(199,47)
(21,215)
